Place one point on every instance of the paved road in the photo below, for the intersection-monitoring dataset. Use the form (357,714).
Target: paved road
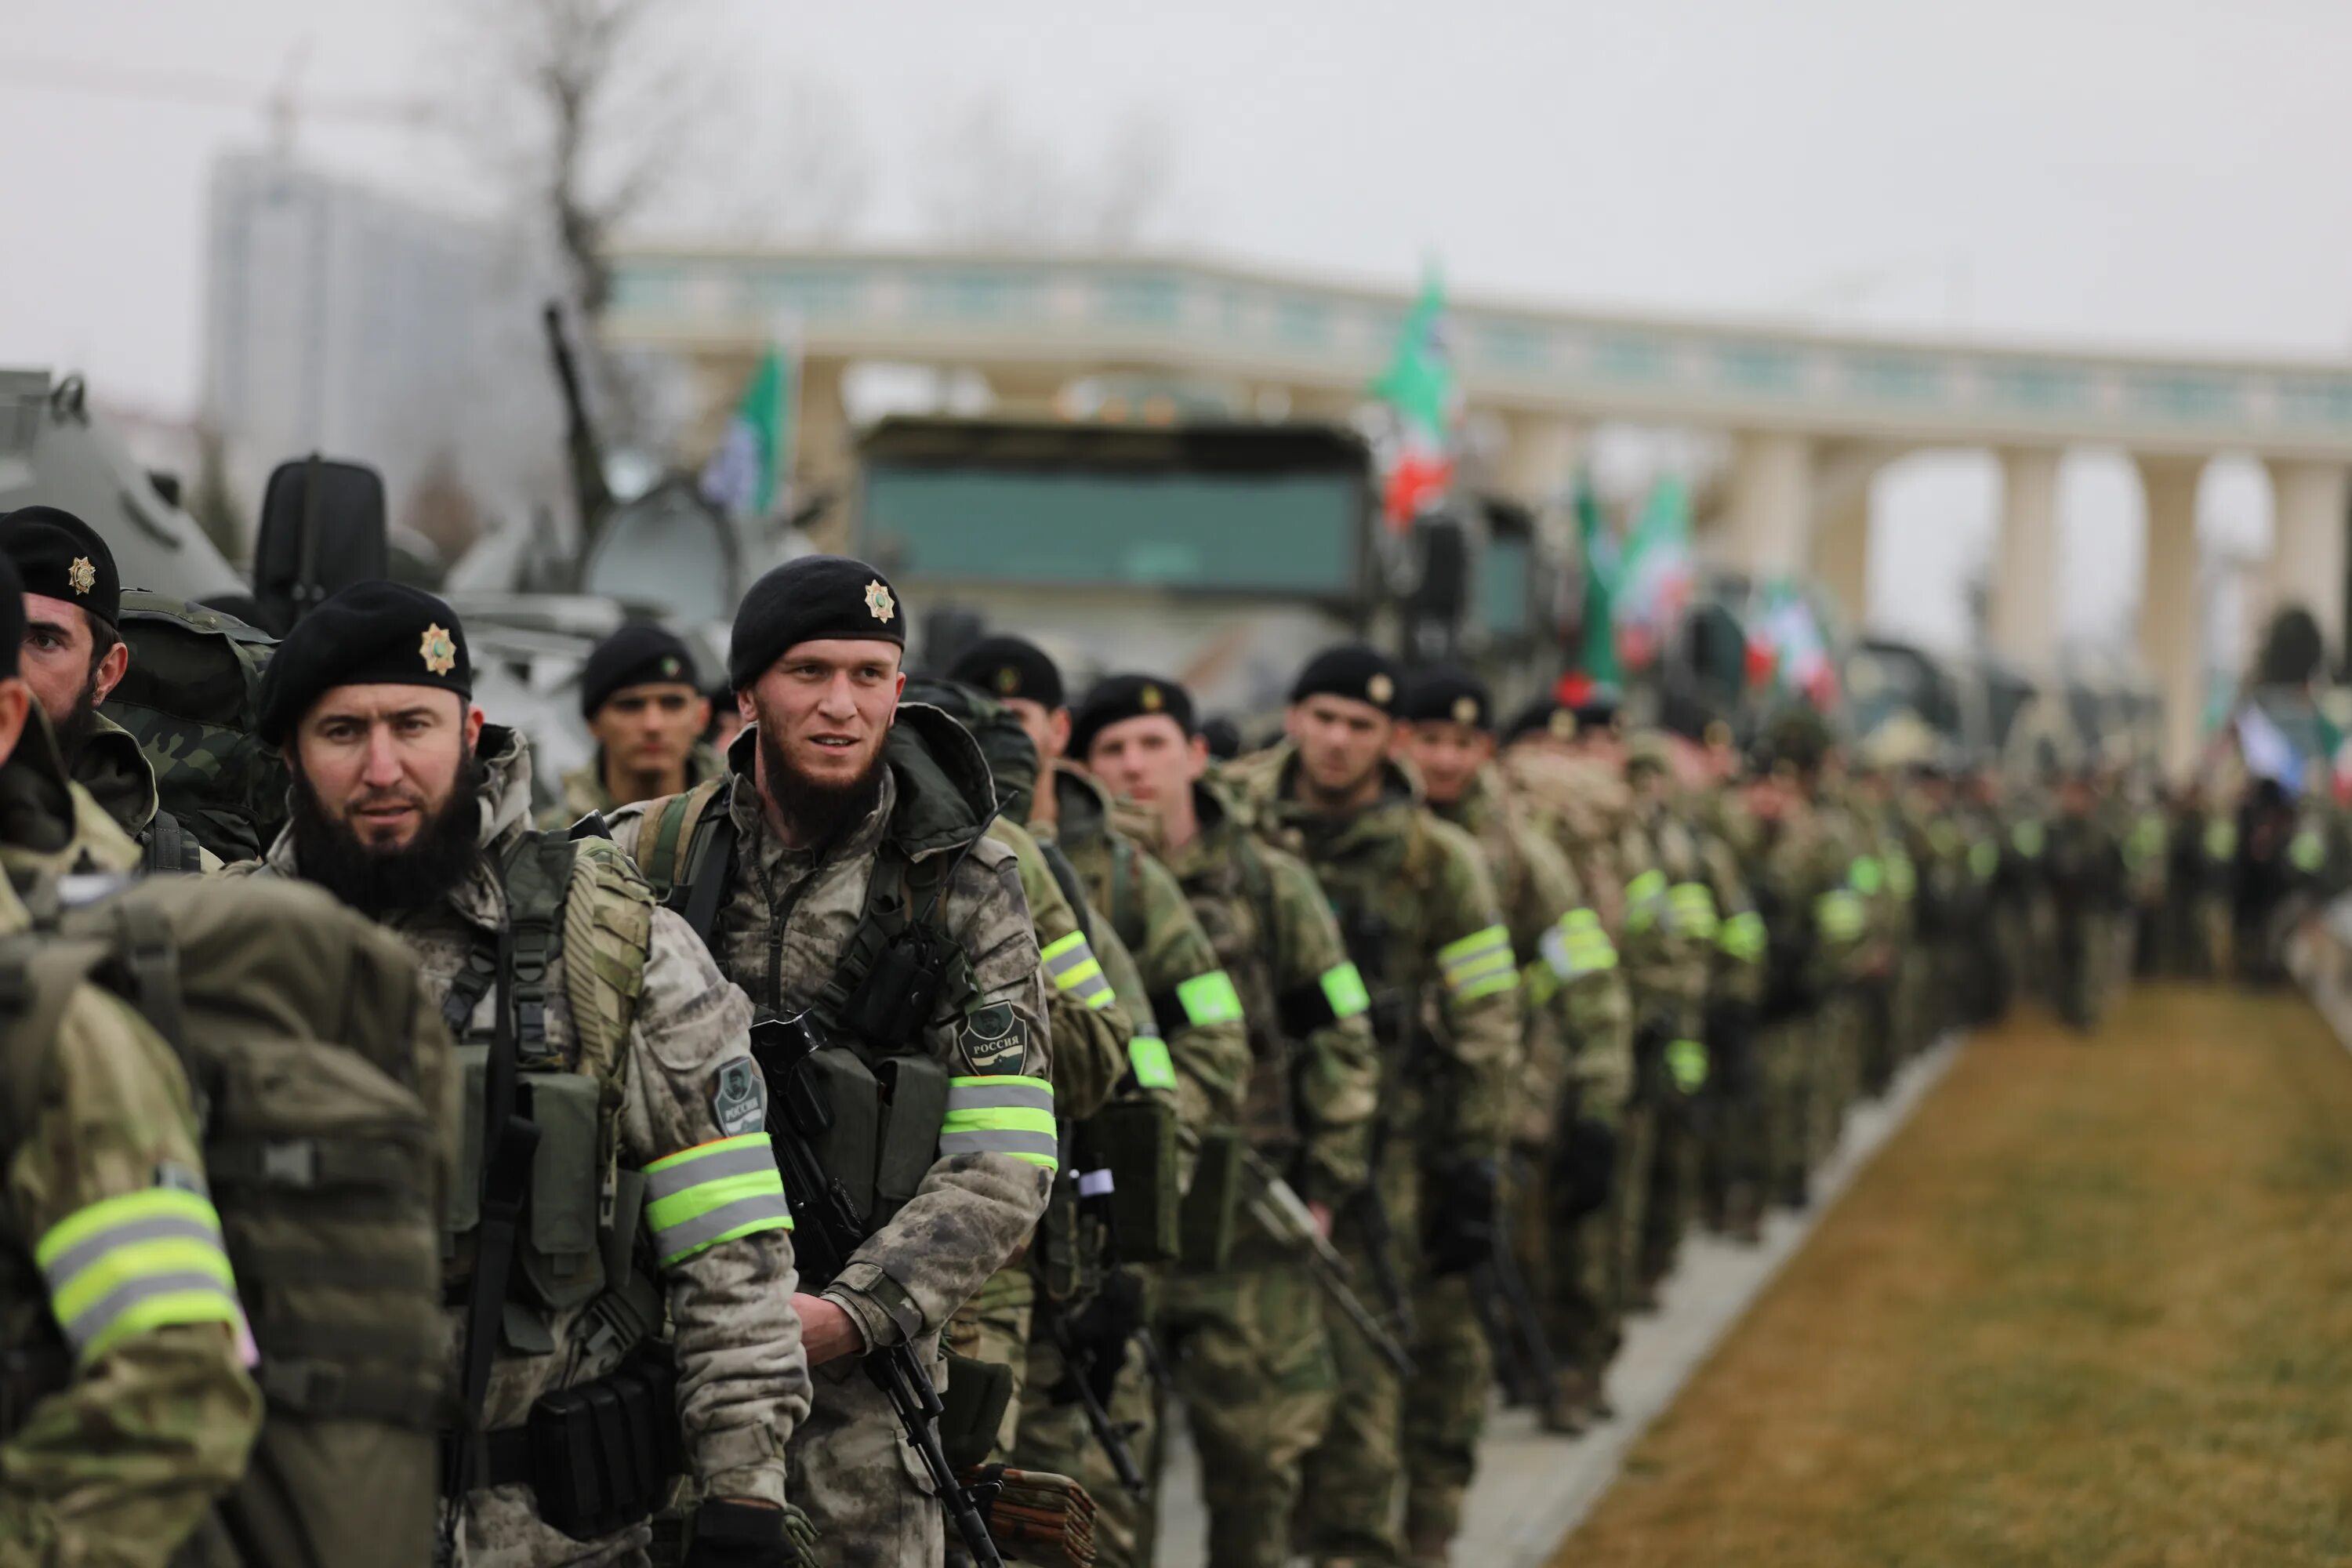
(1533,1489)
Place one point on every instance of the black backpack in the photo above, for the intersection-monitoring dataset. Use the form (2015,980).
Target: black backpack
(192,698)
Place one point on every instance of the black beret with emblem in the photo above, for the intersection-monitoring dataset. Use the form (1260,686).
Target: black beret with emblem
(1008,667)
(639,654)
(1543,715)
(1353,670)
(1118,697)
(370,633)
(813,599)
(60,556)
(1447,694)
(12,620)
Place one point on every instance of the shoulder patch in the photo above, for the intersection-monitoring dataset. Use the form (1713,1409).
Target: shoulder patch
(992,1042)
(737,1105)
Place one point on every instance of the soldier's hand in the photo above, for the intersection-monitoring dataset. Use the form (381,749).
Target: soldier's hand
(827,1333)
(1321,1214)
(747,1532)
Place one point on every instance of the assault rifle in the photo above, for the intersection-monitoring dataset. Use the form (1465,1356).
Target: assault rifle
(1284,1216)
(826,1230)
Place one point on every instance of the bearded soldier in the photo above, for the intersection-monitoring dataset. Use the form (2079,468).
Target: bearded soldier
(125,1408)
(73,657)
(1419,914)
(639,693)
(605,1038)
(1254,1359)
(846,875)
(1576,997)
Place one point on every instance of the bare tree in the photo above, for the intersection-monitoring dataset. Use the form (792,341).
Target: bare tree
(990,180)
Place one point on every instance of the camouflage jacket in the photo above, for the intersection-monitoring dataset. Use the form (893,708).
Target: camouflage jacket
(582,788)
(1579,1013)
(1727,834)
(743,1381)
(1188,993)
(1418,912)
(1091,1030)
(781,932)
(1315,1071)
(124,1463)
(1670,920)
(115,771)
(48,824)
(1583,808)
(1813,921)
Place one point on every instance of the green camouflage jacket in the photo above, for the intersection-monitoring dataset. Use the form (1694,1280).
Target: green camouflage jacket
(583,788)
(1188,993)
(1315,1074)
(1091,1030)
(48,824)
(153,1425)
(1813,921)
(1579,1012)
(1418,912)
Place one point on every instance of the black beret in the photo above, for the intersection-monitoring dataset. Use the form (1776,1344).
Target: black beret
(1353,670)
(370,633)
(1118,697)
(1006,667)
(1224,737)
(1446,693)
(60,556)
(809,600)
(1594,703)
(12,618)
(639,654)
(1542,715)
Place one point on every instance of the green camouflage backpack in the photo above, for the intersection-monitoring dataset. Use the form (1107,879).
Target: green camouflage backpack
(324,1084)
(192,698)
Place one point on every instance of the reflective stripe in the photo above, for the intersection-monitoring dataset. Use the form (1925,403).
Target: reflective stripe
(137,1262)
(1645,900)
(2307,851)
(1073,969)
(1210,999)
(1148,1055)
(1479,964)
(2029,839)
(1343,987)
(1493,985)
(1901,876)
(1984,859)
(1692,905)
(1840,914)
(714,1192)
(1576,945)
(1686,1062)
(1743,936)
(1865,876)
(2221,840)
(1002,1115)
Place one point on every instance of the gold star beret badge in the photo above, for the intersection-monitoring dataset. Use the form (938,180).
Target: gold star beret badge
(1380,689)
(1563,725)
(82,574)
(879,603)
(439,650)
(1008,681)
(670,664)
(1465,710)
(1149,699)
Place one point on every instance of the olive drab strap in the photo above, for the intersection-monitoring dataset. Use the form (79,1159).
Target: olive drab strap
(685,849)
(1126,907)
(171,849)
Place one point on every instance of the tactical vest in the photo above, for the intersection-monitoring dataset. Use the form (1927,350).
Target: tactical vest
(1235,904)
(307,1056)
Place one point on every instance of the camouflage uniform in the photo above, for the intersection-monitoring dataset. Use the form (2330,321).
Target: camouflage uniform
(1090,1034)
(1252,1357)
(783,931)
(1419,913)
(1813,922)
(1577,1004)
(49,824)
(2084,867)
(1198,1013)
(743,1382)
(119,777)
(582,788)
(124,1463)
(1730,1183)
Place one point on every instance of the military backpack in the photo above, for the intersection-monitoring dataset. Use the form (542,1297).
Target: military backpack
(321,1078)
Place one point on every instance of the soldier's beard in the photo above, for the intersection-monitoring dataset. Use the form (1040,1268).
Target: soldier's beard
(73,731)
(819,811)
(380,882)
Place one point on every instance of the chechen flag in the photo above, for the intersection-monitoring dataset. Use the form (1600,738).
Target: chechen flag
(1419,387)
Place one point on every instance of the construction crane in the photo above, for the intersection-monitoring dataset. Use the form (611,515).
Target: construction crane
(284,107)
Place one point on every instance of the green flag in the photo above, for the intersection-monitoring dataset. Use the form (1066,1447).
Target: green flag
(746,476)
(1598,656)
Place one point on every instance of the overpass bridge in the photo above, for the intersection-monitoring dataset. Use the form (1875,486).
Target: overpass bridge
(1815,414)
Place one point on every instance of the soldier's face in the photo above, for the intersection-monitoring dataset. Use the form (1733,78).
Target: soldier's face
(1449,755)
(1340,740)
(1148,758)
(650,729)
(1049,729)
(824,707)
(384,760)
(62,662)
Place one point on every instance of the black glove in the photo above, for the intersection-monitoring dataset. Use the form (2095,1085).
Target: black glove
(746,1535)
(1463,1216)
(1584,1169)
(1104,1328)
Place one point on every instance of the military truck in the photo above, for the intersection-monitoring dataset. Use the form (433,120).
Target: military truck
(1223,553)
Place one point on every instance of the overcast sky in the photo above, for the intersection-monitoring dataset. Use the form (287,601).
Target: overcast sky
(2143,172)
